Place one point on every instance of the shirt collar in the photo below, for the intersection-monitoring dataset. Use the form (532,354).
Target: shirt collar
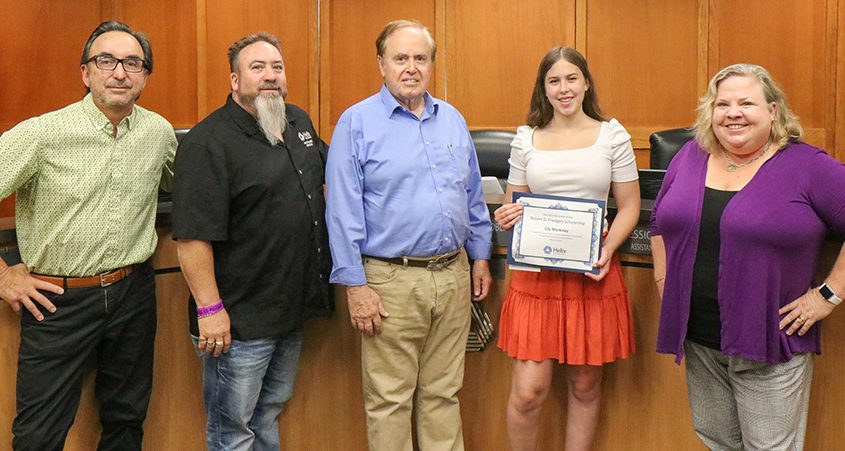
(100,121)
(390,103)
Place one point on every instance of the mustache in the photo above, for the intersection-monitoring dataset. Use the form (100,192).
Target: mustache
(270,86)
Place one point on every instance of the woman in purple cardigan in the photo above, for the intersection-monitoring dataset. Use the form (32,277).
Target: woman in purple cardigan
(736,234)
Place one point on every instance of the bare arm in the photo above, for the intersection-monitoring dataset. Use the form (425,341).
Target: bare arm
(802,313)
(658,255)
(197,261)
(627,196)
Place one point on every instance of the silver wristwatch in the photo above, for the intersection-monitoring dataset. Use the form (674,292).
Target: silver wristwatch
(828,294)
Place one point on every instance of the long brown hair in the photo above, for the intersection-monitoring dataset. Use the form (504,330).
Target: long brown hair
(541,112)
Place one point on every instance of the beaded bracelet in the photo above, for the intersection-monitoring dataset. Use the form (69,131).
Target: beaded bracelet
(208,310)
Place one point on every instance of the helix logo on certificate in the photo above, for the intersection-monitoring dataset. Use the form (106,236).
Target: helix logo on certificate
(560,233)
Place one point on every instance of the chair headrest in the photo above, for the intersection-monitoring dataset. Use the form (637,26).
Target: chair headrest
(180,133)
(666,143)
(493,148)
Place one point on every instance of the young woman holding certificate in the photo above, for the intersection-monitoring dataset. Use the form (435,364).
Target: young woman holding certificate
(581,320)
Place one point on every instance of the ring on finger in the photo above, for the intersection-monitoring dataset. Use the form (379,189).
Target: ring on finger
(801,319)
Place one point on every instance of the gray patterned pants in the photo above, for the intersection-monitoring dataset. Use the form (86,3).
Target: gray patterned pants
(740,404)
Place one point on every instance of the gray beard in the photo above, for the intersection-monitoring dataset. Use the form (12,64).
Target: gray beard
(272,117)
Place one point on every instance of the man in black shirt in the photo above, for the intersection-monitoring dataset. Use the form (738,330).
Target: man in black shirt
(248,219)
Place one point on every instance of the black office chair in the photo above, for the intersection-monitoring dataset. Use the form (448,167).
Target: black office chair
(180,133)
(666,143)
(493,148)
(164,196)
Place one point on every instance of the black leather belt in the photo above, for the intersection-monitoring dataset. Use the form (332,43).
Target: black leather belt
(434,263)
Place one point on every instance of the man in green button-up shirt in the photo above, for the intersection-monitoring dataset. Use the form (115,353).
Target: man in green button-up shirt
(87,178)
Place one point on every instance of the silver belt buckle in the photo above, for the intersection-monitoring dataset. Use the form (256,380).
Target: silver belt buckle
(435,265)
(442,262)
(103,282)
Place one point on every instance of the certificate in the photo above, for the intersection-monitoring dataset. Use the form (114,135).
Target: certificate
(560,233)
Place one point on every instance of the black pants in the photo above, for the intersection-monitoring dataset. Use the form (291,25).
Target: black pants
(113,325)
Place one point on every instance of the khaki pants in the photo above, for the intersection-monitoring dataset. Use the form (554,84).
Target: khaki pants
(417,363)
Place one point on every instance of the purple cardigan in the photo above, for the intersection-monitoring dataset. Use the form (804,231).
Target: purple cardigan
(771,235)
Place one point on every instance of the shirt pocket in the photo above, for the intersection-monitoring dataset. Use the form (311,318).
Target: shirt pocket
(459,156)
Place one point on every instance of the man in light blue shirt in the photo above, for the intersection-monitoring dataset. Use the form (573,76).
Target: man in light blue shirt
(404,211)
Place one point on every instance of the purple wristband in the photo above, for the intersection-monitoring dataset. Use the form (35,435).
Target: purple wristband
(209,310)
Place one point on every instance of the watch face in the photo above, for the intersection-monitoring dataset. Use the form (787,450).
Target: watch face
(826,292)
(829,295)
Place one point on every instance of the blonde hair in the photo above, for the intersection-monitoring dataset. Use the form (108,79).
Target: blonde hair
(785,126)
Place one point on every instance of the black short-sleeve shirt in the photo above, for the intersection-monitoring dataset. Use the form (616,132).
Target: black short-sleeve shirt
(262,208)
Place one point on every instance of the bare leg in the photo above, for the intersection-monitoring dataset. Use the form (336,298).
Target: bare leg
(529,389)
(583,404)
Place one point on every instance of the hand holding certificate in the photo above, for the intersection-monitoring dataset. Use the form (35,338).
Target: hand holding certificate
(560,233)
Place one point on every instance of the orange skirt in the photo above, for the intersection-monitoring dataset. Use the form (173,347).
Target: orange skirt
(567,316)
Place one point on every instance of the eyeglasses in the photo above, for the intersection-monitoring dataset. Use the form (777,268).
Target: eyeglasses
(109,63)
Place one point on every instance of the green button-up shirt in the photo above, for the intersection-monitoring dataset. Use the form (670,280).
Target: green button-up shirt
(86,201)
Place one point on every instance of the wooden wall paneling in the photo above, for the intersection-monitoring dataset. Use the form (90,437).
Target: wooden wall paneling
(349,72)
(202,60)
(176,417)
(581,26)
(496,48)
(326,412)
(704,50)
(644,404)
(644,56)
(9,343)
(7,207)
(838,149)
(827,396)
(228,21)
(42,43)
(829,80)
(445,42)
(171,27)
(793,39)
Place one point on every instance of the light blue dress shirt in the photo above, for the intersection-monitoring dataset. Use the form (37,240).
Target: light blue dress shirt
(398,185)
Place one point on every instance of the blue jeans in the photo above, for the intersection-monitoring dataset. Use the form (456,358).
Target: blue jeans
(245,391)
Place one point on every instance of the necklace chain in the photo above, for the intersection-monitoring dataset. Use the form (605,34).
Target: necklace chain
(733,166)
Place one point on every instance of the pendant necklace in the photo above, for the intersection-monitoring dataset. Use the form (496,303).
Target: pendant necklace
(732,166)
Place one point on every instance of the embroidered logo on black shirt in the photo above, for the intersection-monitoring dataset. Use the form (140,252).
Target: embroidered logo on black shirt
(306,139)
